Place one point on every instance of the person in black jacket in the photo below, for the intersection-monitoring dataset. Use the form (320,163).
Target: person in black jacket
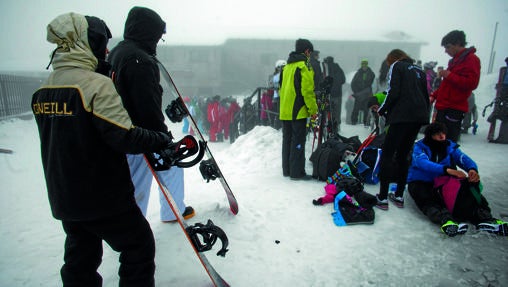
(84,133)
(406,108)
(136,76)
(316,67)
(383,75)
(361,85)
(332,69)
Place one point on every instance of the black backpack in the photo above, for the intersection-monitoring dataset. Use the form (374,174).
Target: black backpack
(327,157)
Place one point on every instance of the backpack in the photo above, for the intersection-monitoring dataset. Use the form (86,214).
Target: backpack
(327,157)
(349,212)
(353,141)
(371,157)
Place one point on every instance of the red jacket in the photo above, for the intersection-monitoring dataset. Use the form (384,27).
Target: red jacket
(463,79)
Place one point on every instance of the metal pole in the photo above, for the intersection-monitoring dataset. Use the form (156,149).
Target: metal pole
(492,55)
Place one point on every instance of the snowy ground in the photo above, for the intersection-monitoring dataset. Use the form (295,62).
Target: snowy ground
(402,248)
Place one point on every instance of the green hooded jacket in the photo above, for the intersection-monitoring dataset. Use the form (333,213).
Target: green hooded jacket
(297,98)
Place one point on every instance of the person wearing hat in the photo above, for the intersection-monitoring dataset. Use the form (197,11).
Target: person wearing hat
(361,85)
(83,150)
(275,80)
(333,70)
(460,79)
(297,103)
(136,76)
(430,74)
(445,184)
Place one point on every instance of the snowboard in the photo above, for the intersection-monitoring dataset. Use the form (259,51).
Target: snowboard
(211,163)
(216,279)
(4,150)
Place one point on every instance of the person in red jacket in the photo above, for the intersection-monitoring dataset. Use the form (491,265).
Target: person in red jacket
(460,79)
(233,119)
(213,118)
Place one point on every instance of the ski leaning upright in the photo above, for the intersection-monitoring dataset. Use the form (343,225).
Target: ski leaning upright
(209,236)
(209,168)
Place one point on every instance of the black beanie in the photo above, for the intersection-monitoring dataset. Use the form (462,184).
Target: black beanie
(433,129)
(303,44)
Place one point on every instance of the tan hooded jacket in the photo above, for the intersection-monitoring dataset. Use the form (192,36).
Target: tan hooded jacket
(85,130)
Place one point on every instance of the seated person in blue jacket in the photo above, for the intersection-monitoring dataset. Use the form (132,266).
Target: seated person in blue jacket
(446,194)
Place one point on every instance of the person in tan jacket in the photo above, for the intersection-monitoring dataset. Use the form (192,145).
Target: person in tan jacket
(85,133)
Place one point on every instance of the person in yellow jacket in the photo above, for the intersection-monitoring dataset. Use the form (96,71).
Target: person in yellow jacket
(297,103)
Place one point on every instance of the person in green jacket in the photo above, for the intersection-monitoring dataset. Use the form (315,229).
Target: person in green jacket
(297,103)
(374,102)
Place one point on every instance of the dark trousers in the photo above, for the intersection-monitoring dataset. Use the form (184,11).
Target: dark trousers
(336,108)
(360,105)
(466,208)
(394,163)
(429,201)
(275,109)
(452,119)
(128,233)
(293,148)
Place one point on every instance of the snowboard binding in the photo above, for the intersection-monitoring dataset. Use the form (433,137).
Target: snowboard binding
(176,152)
(176,110)
(209,170)
(209,234)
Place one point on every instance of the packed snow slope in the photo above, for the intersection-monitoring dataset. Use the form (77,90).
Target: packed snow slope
(278,238)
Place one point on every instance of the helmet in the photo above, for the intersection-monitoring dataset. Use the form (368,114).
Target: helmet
(280,63)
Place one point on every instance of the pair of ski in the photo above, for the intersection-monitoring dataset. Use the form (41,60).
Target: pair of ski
(210,165)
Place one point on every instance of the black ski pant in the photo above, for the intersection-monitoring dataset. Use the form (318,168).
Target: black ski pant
(293,148)
(429,201)
(275,109)
(394,163)
(452,119)
(336,108)
(128,233)
(466,208)
(361,104)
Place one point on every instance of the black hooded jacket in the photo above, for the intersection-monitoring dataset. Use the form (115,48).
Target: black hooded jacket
(134,68)
(407,99)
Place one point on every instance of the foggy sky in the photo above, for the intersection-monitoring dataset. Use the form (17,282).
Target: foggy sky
(210,22)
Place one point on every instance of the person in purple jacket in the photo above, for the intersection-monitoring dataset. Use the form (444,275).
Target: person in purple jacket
(445,185)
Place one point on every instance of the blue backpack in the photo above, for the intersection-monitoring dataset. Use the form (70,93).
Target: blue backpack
(368,164)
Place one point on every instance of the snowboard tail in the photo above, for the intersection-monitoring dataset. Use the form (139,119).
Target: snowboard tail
(215,277)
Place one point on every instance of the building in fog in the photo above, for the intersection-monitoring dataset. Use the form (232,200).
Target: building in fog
(239,66)
(236,67)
